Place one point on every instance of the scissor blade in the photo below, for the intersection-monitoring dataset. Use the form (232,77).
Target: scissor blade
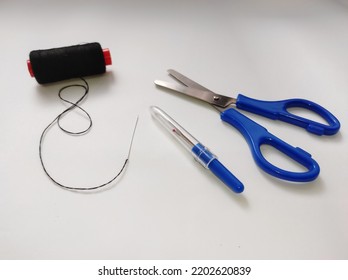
(186,81)
(207,96)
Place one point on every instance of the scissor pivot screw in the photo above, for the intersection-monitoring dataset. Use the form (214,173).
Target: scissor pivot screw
(216,98)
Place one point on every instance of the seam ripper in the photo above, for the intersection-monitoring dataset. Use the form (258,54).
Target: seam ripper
(198,150)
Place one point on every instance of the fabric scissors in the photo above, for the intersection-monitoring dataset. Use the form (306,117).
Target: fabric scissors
(255,134)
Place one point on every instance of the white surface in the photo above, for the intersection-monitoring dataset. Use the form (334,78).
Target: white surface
(166,206)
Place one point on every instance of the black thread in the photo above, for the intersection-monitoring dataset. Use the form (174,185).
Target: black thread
(67,62)
(57,119)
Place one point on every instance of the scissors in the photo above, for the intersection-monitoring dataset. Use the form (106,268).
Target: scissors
(255,134)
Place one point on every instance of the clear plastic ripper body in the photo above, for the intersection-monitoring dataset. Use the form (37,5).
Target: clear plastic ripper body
(199,151)
(175,129)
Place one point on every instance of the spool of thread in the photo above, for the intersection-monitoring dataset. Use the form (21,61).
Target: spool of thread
(58,64)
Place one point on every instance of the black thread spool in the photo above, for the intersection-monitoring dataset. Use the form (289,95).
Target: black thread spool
(77,61)
(58,64)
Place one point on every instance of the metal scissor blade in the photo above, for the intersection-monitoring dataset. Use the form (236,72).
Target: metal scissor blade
(186,81)
(207,96)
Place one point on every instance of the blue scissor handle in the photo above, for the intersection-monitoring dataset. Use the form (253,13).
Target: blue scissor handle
(278,110)
(256,135)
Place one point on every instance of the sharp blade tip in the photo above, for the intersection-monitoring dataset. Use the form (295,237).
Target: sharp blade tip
(171,71)
(158,83)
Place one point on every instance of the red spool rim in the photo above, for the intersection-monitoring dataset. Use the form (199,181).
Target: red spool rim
(30,69)
(107,56)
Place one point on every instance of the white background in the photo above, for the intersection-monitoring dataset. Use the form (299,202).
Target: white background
(165,206)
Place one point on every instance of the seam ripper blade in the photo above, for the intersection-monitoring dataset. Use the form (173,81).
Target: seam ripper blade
(198,150)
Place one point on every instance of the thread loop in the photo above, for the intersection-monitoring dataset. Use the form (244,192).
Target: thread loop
(57,119)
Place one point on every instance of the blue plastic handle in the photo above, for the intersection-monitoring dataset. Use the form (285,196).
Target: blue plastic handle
(256,135)
(278,110)
(209,160)
(220,171)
